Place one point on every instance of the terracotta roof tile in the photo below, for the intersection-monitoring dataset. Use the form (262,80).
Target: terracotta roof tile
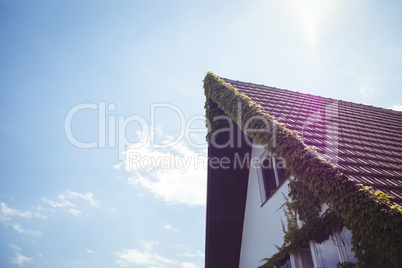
(364,142)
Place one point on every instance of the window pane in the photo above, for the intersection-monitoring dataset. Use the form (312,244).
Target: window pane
(346,240)
(306,258)
(302,258)
(281,172)
(268,176)
(328,253)
(287,265)
(272,173)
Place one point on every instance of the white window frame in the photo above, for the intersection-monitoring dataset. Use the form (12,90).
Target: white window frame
(296,258)
(342,251)
(260,176)
(315,252)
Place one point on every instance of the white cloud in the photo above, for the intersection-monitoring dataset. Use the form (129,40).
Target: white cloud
(15,247)
(90,251)
(19,259)
(70,201)
(177,174)
(149,245)
(396,107)
(147,257)
(134,256)
(8,212)
(117,166)
(197,253)
(170,227)
(189,265)
(38,214)
(73,211)
(55,204)
(17,227)
(88,197)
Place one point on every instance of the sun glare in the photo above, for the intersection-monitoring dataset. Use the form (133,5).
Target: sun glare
(310,16)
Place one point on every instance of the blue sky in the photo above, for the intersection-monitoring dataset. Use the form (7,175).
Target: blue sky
(110,73)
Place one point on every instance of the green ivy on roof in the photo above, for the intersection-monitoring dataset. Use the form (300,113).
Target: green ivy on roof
(376,226)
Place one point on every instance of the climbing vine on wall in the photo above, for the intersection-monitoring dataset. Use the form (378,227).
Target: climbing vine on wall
(376,226)
(301,207)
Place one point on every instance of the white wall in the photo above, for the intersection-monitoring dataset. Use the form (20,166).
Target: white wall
(262,225)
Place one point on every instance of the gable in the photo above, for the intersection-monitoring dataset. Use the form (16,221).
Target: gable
(337,150)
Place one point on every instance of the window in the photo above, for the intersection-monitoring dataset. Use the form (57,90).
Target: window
(336,249)
(270,175)
(326,253)
(346,246)
(288,264)
(302,258)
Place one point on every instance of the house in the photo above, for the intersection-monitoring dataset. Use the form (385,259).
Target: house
(296,180)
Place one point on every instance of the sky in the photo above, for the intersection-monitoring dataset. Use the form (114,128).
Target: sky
(103,160)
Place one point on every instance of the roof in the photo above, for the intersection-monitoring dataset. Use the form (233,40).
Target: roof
(363,142)
(340,153)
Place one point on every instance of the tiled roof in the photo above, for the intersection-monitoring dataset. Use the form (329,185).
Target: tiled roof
(364,142)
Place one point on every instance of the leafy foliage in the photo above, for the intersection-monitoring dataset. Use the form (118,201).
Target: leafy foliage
(346,265)
(376,226)
(301,206)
